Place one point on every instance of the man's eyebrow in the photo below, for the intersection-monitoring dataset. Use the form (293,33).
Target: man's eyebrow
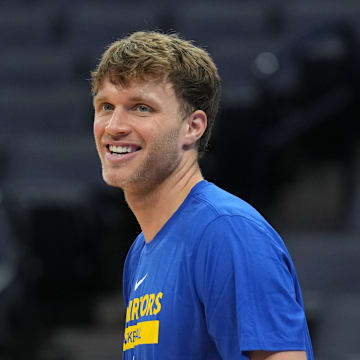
(139,98)
(97,99)
(134,99)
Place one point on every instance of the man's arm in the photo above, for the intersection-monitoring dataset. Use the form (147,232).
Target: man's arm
(249,290)
(283,355)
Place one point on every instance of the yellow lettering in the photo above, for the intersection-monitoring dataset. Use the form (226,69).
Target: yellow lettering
(135,309)
(144,301)
(158,304)
(128,310)
(146,332)
(150,304)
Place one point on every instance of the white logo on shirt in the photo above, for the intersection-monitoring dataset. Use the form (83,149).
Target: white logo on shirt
(138,283)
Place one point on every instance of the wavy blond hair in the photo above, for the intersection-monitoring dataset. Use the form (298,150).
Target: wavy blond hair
(147,55)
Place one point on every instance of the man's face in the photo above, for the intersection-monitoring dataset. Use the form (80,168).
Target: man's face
(138,131)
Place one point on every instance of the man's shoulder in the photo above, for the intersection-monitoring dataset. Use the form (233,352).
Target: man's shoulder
(212,213)
(235,227)
(217,202)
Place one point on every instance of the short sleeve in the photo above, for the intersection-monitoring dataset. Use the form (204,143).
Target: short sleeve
(248,286)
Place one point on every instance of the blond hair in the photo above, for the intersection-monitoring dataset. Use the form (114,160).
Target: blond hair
(149,55)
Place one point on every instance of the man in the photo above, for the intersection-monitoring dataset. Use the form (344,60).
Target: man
(207,278)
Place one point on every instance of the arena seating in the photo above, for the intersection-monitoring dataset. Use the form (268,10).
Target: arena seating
(290,109)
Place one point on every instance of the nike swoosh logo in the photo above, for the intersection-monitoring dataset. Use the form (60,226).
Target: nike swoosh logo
(138,283)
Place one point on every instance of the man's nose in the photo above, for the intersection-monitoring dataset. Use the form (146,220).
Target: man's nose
(118,123)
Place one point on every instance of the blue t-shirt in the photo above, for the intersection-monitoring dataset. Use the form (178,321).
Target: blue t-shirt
(215,283)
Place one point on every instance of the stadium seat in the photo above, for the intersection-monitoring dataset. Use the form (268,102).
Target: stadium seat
(206,23)
(53,108)
(236,59)
(42,158)
(302,16)
(330,264)
(26,25)
(91,27)
(339,330)
(38,66)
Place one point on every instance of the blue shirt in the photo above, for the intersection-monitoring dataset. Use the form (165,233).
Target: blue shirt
(215,283)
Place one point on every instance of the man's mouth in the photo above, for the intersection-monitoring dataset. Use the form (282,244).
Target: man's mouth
(122,150)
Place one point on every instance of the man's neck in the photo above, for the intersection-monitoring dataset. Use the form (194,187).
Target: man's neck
(155,207)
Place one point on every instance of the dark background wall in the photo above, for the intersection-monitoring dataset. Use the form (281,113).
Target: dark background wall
(286,140)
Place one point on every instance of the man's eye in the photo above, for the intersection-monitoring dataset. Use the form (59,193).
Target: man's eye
(143,108)
(107,107)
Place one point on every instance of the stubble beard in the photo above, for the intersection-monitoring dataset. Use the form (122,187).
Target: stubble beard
(162,160)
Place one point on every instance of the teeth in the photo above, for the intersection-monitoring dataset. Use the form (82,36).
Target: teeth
(121,149)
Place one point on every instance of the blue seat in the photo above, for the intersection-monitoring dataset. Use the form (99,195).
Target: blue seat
(235,59)
(304,16)
(37,159)
(326,262)
(94,26)
(91,27)
(53,108)
(208,22)
(26,25)
(338,333)
(36,65)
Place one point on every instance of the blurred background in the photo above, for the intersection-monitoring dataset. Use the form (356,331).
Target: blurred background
(286,140)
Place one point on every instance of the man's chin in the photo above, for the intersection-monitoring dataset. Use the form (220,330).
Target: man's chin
(113,180)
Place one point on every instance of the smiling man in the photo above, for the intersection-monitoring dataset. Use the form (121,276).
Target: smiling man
(208,277)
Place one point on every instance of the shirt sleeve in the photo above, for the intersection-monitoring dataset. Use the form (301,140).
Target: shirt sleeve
(248,286)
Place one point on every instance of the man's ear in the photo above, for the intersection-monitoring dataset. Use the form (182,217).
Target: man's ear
(194,128)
